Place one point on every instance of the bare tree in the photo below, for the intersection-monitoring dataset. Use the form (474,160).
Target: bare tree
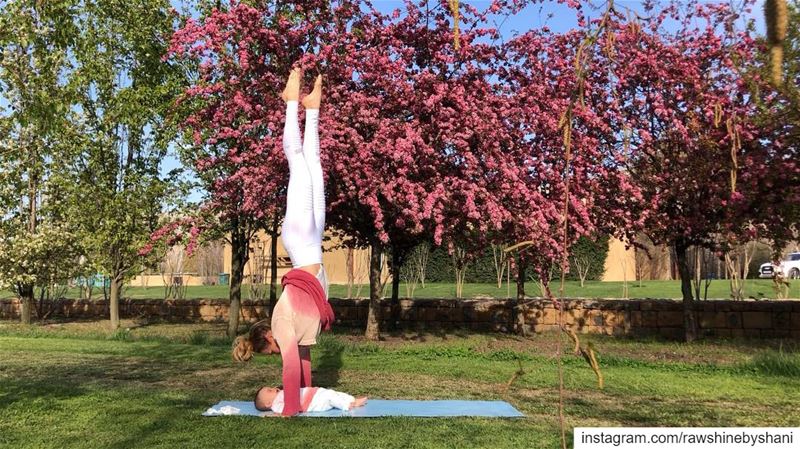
(624,262)
(737,265)
(413,271)
(701,271)
(385,275)
(460,262)
(499,259)
(357,266)
(349,261)
(209,260)
(582,264)
(259,264)
(172,273)
(780,285)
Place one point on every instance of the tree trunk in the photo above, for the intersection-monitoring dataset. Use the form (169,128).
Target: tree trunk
(373,331)
(113,301)
(520,280)
(396,262)
(239,250)
(26,304)
(26,296)
(273,276)
(689,322)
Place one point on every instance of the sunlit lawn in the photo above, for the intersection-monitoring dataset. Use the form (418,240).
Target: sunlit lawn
(72,385)
(718,289)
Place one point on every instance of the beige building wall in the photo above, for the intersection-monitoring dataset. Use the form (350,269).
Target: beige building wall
(157,280)
(620,262)
(334,257)
(653,262)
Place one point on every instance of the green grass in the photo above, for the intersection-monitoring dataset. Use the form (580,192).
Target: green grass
(719,289)
(76,385)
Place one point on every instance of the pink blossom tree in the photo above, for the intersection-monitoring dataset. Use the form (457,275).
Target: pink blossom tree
(691,146)
(241,55)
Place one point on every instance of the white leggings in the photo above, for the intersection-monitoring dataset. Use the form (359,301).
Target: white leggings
(305,196)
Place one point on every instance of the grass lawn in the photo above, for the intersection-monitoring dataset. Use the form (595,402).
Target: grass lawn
(72,385)
(719,289)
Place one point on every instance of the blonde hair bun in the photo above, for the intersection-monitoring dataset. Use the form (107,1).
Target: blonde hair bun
(242,350)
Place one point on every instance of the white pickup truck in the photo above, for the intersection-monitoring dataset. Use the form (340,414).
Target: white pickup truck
(790,267)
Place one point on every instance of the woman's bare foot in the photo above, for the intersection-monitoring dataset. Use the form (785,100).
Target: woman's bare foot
(292,90)
(359,402)
(314,99)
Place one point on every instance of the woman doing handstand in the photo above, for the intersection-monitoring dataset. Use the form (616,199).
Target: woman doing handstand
(302,310)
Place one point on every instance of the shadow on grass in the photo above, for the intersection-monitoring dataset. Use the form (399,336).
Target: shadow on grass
(654,412)
(330,362)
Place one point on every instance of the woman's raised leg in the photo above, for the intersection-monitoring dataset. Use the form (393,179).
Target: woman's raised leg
(311,154)
(298,229)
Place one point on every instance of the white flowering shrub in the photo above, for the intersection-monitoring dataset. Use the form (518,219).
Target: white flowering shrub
(49,256)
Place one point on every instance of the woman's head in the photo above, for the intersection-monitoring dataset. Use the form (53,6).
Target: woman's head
(258,340)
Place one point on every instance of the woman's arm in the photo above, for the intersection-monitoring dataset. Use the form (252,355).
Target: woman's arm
(305,366)
(283,331)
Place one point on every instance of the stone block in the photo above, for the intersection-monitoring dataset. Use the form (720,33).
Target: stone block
(636,319)
(616,318)
(428,314)
(539,328)
(667,305)
(594,318)
(646,305)
(776,333)
(752,333)
(737,333)
(671,333)
(408,314)
(782,320)
(650,319)
(722,306)
(756,320)
(456,315)
(670,319)
(705,306)
(716,332)
(740,306)
(779,306)
(710,320)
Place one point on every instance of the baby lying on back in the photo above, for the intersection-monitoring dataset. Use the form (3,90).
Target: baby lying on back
(312,399)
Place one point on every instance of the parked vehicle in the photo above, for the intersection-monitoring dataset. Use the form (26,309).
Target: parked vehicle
(789,267)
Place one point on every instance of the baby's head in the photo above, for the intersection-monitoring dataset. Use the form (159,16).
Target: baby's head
(264,398)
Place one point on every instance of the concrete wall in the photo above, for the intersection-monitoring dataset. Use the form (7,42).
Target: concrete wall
(762,319)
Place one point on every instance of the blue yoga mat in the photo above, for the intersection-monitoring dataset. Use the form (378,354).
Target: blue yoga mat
(378,407)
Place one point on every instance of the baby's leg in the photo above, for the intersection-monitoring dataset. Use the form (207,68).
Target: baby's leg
(359,401)
(342,401)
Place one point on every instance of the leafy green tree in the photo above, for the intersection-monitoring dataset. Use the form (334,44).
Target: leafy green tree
(123,94)
(35,37)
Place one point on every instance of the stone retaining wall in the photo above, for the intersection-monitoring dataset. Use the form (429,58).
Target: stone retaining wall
(762,319)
